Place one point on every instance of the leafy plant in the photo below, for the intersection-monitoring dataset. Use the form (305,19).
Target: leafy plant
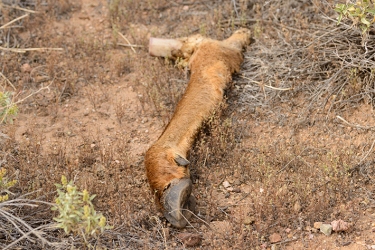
(76,211)
(8,109)
(362,13)
(5,184)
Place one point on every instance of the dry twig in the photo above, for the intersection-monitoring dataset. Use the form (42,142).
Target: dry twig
(7,80)
(13,21)
(30,49)
(354,125)
(130,45)
(20,8)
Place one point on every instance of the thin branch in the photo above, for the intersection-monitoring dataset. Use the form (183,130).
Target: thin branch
(13,21)
(131,46)
(282,89)
(34,231)
(29,49)
(367,154)
(19,8)
(43,88)
(268,86)
(354,125)
(290,161)
(12,219)
(187,210)
(235,8)
(7,80)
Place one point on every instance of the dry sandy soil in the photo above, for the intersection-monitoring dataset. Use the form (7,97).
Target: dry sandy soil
(292,145)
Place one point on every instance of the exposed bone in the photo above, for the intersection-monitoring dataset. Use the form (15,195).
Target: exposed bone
(163,47)
(173,48)
(212,64)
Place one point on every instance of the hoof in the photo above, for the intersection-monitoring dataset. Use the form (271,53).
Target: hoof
(177,200)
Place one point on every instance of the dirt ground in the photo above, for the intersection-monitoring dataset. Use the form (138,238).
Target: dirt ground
(292,145)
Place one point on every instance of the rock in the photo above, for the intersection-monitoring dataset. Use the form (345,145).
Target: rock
(311,236)
(26,68)
(275,237)
(339,225)
(326,229)
(317,225)
(297,207)
(226,184)
(275,247)
(248,220)
(190,239)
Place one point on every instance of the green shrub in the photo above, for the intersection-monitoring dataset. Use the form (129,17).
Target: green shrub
(362,13)
(8,109)
(5,184)
(76,213)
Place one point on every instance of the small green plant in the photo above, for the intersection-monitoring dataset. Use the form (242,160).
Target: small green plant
(362,13)
(5,184)
(76,213)
(8,109)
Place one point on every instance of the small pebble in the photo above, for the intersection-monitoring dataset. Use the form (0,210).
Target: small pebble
(248,220)
(275,237)
(226,184)
(190,239)
(326,229)
(26,68)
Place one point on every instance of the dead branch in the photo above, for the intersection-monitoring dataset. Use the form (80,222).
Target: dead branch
(30,49)
(13,21)
(354,125)
(7,80)
(130,45)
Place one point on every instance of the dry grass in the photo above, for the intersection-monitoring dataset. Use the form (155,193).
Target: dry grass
(277,140)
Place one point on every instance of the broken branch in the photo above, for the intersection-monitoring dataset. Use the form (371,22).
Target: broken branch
(13,21)
(131,46)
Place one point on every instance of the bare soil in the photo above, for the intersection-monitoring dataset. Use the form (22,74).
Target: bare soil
(288,148)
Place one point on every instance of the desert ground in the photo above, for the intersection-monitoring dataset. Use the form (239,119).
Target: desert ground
(291,146)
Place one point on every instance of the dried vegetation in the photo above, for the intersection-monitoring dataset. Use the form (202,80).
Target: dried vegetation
(294,141)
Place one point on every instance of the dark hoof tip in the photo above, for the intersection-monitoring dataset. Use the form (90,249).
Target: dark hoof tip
(178,202)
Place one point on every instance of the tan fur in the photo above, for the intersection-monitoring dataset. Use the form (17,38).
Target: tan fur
(212,64)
